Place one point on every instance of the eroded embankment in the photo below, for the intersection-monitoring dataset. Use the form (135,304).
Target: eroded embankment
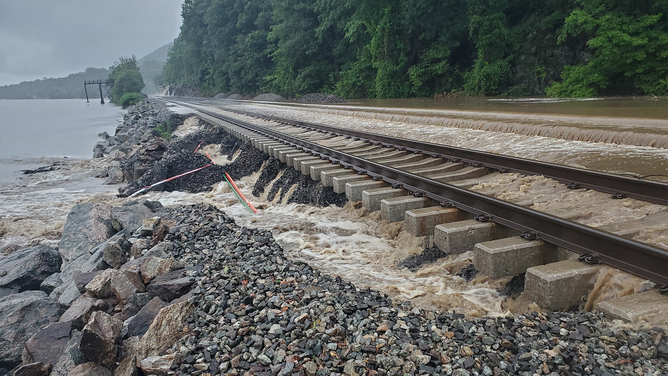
(358,245)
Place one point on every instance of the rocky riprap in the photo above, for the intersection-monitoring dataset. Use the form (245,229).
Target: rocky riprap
(177,157)
(321,98)
(135,145)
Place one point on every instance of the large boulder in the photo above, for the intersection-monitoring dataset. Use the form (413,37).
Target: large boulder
(21,316)
(99,338)
(47,345)
(152,267)
(28,268)
(167,327)
(34,369)
(89,262)
(90,369)
(81,309)
(170,290)
(131,215)
(139,323)
(71,356)
(100,285)
(158,365)
(87,225)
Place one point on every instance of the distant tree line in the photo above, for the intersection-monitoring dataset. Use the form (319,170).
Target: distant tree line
(54,88)
(419,48)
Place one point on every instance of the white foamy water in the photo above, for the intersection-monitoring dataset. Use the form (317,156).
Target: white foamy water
(358,246)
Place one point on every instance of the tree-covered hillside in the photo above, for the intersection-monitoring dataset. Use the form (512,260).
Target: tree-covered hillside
(55,88)
(418,48)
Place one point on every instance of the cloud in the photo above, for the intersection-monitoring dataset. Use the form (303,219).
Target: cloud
(46,38)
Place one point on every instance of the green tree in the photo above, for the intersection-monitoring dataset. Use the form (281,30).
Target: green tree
(127,78)
(629,41)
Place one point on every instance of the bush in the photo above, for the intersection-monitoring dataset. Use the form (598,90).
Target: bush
(129,99)
(164,130)
(127,79)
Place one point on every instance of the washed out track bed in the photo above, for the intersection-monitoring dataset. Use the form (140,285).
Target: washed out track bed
(431,181)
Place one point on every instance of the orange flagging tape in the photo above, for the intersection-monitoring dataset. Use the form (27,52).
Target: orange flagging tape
(236,189)
(166,180)
(200,144)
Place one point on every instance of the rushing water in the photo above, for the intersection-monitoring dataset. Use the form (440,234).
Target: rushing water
(349,242)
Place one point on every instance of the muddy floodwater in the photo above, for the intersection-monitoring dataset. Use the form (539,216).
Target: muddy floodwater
(620,145)
(358,245)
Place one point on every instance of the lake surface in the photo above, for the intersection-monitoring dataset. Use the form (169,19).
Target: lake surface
(34,132)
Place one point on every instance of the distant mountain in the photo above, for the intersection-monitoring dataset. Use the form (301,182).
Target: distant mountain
(158,55)
(55,88)
(151,66)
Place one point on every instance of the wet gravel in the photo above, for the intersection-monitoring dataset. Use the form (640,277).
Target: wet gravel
(259,313)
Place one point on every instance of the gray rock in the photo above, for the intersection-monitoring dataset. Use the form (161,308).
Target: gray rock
(90,369)
(157,365)
(21,316)
(86,226)
(139,323)
(28,268)
(99,338)
(81,279)
(113,255)
(34,369)
(48,344)
(160,250)
(81,309)
(131,215)
(71,356)
(50,283)
(139,247)
(100,286)
(134,305)
(170,290)
(69,295)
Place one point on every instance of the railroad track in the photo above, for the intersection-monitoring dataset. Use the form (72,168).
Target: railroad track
(419,176)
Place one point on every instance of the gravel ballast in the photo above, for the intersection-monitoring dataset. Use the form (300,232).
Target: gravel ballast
(259,312)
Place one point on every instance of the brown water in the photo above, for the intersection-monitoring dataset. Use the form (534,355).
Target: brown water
(627,107)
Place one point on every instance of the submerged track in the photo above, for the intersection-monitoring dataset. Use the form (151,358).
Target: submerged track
(594,244)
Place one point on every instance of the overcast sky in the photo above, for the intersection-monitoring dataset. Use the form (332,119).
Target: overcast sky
(54,38)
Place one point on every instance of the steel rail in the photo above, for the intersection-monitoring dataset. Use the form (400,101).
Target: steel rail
(621,186)
(628,255)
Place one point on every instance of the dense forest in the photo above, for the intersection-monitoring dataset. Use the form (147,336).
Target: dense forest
(420,48)
(55,88)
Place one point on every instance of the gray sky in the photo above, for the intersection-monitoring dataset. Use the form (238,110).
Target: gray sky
(54,38)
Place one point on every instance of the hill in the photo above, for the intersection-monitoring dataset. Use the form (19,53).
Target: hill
(54,88)
(151,66)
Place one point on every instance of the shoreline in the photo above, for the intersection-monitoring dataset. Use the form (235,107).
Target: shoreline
(230,301)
